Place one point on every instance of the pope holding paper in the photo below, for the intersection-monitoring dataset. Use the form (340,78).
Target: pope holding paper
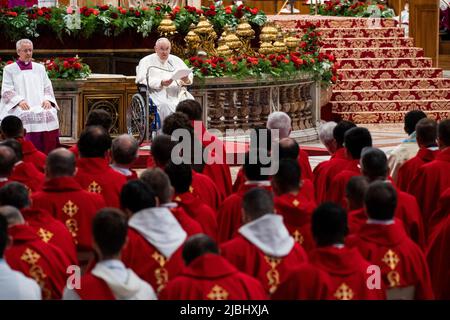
(167,77)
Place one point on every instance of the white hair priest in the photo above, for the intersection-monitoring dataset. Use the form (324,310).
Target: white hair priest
(27,93)
(167,76)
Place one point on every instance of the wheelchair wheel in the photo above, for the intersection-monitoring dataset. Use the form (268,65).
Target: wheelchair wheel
(136,118)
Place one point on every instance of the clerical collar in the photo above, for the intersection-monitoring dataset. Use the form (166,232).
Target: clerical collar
(169,205)
(24,65)
(3,179)
(339,245)
(262,183)
(382,222)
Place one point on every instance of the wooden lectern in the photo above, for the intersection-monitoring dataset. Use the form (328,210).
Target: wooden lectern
(424,26)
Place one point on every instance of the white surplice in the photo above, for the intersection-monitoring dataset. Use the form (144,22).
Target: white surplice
(165,98)
(34,87)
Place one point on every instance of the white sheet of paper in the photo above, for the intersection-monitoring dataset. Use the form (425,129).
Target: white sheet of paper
(177,75)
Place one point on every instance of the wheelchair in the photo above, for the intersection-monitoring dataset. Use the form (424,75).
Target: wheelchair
(142,116)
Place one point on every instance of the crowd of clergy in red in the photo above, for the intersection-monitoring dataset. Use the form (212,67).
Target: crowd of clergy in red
(346,230)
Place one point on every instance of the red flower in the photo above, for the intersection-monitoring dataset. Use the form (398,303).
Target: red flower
(333,79)
(199,11)
(210,13)
(40,12)
(123,11)
(9,62)
(381,7)
(87,13)
(158,8)
(285,61)
(104,7)
(191,9)
(302,44)
(66,65)
(280,57)
(204,70)
(137,14)
(331,57)
(254,11)
(312,60)
(176,10)
(95,12)
(228,10)
(11,14)
(212,7)
(77,66)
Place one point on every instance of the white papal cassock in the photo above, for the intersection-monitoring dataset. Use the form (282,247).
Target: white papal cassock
(165,98)
(33,86)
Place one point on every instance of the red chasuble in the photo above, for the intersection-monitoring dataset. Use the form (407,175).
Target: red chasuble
(305,282)
(198,211)
(336,193)
(65,199)
(74,150)
(409,169)
(211,277)
(355,220)
(95,175)
(94,288)
(326,171)
(32,155)
(43,262)
(229,217)
(347,270)
(296,212)
(51,231)
(148,263)
(439,259)
(206,190)
(409,213)
(270,271)
(431,180)
(220,174)
(442,211)
(303,162)
(26,173)
(188,224)
(401,261)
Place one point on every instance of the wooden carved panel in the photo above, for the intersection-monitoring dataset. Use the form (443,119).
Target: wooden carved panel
(113,104)
(66,117)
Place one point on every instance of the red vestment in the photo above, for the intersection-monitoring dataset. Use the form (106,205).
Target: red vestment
(401,261)
(220,174)
(347,270)
(74,150)
(431,180)
(64,198)
(355,220)
(270,271)
(94,288)
(51,231)
(409,169)
(305,166)
(95,175)
(339,183)
(188,224)
(296,212)
(326,171)
(198,211)
(32,155)
(148,263)
(26,173)
(304,282)
(41,261)
(408,212)
(211,277)
(439,259)
(442,211)
(229,217)
(206,190)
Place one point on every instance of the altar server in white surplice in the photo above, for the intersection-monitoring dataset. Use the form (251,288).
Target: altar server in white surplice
(165,92)
(27,93)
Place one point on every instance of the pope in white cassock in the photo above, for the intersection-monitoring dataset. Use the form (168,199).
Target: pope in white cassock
(27,93)
(161,66)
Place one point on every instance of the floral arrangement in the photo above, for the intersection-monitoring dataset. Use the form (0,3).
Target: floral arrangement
(67,68)
(60,68)
(20,22)
(348,8)
(307,58)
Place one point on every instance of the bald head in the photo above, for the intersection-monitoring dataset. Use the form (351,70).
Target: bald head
(124,149)
(7,161)
(60,163)
(281,121)
(12,215)
(288,149)
(158,181)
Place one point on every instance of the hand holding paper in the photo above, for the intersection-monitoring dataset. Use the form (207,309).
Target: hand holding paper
(182,73)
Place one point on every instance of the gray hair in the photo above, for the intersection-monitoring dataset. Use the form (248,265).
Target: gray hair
(161,40)
(326,132)
(12,215)
(124,149)
(281,121)
(22,42)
